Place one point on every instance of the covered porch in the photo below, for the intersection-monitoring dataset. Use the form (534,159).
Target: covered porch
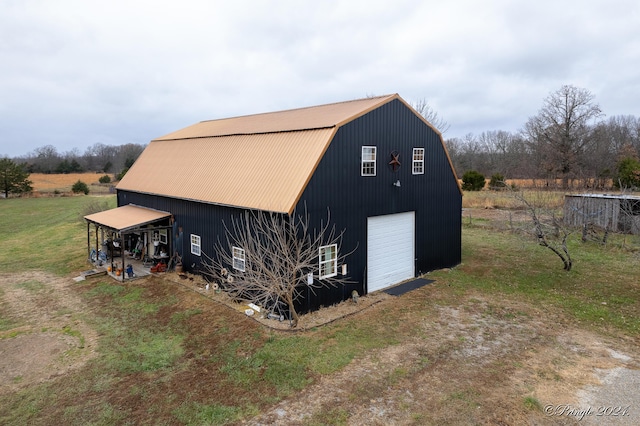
(131,241)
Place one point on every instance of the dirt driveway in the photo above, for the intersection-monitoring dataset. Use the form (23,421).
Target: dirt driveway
(479,361)
(43,334)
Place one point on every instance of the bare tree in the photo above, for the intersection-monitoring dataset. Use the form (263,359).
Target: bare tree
(270,258)
(601,216)
(126,155)
(100,157)
(44,159)
(455,148)
(498,148)
(423,108)
(629,221)
(561,131)
(546,225)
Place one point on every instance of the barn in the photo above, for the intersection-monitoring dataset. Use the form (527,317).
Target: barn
(380,169)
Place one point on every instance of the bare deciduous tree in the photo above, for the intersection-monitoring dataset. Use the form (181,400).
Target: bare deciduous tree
(546,226)
(629,218)
(270,258)
(561,131)
(423,108)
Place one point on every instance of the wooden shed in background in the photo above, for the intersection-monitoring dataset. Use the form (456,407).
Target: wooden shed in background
(617,213)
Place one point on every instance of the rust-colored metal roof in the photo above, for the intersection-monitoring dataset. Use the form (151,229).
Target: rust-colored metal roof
(126,217)
(261,161)
(316,117)
(264,172)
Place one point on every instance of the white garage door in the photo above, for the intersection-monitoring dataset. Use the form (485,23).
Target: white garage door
(390,249)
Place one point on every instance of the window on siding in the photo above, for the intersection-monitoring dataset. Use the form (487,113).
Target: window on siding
(328,261)
(368,161)
(238,258)
(195,244)
(418,161)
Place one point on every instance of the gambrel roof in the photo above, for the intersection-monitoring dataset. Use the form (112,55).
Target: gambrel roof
(261,161)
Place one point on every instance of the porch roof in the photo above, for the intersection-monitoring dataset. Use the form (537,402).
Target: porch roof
(127,217)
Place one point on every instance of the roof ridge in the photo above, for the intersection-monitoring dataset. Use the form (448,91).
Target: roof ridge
(306,118)
(301,108)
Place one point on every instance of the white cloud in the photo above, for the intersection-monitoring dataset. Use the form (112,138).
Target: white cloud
(75,73)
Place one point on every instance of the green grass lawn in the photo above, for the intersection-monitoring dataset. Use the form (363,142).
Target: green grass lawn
(602,290)
(152,341)
(46,233)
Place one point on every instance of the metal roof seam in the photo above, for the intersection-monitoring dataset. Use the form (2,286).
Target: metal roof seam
(247,133)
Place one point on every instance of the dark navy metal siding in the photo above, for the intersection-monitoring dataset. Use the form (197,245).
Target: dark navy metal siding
(352,198)
(204,220)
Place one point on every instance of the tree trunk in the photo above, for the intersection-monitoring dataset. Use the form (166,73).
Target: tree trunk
(294,316)
(566,259)
(292,311)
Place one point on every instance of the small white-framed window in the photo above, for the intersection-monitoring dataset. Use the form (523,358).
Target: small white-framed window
(163,236)
(238,258)
(368,161)
(328,261)
(195,244)
(418,161)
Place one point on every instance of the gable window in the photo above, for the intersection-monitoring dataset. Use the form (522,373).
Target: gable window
(328,261)
(418,161)
(195,244)
(368,161)
(238,258)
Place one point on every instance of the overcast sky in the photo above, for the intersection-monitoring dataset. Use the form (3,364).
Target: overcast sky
(76,73)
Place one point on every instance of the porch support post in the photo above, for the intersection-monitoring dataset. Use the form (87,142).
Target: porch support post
(124,269)
(111,248)
(97,246)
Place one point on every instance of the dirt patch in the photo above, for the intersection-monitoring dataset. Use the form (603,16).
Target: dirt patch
(497,218)
(476,363)
(468,360)
(308,321)
(43,334)
(477,360)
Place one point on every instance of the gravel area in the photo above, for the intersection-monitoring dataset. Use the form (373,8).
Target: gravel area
(616,401)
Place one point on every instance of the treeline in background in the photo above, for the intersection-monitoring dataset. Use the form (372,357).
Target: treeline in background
(99,158)
(568,144)
(605,156)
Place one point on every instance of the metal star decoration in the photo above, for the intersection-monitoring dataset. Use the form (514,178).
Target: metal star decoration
(395,161)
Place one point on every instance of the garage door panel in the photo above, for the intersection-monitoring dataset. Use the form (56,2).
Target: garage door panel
(390,249)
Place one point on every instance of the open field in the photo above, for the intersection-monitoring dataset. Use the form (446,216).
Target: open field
(493,341)
(49,184)
(578,185)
